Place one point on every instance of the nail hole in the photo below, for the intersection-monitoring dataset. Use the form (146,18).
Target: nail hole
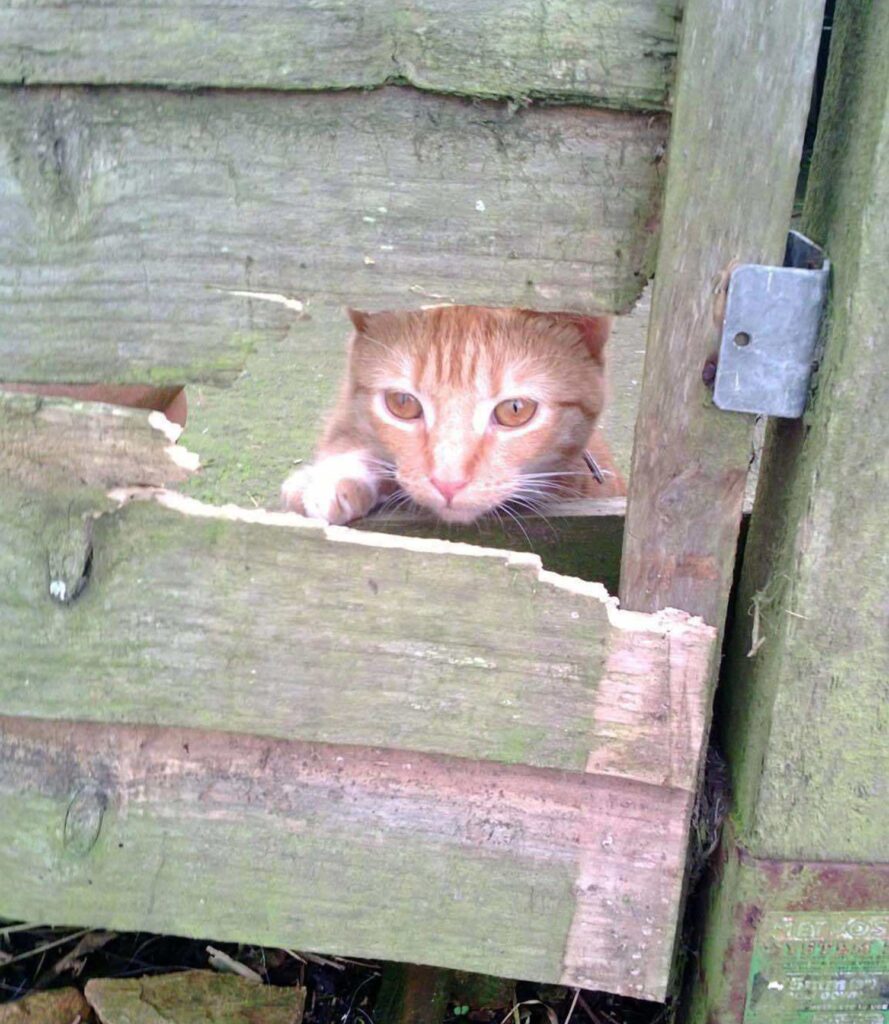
(742,339)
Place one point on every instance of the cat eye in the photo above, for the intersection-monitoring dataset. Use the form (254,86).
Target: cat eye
(514,412)
(403,405)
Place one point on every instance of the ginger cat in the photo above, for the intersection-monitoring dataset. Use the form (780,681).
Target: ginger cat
(462,410)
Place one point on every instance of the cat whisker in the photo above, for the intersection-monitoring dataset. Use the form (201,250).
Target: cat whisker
(536,509)
(532,504)
(379,465)
(396,502)
(518,523)
(551,490)
(381,344)
(557,473)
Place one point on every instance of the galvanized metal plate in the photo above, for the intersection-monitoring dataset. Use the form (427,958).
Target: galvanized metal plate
(811,967)
(770,332)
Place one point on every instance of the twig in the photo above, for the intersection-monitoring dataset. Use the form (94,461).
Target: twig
(323,961)
(514,1012)
(573,1004)
(223,962)
(47,945)
(10,928)
(585,1006)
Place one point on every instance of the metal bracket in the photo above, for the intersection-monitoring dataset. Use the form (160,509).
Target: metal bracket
(770,332)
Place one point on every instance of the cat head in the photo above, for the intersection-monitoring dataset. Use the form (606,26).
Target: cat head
(472,407)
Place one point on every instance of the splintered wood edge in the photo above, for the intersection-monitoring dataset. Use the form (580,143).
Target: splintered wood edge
(671,620)
(95,444)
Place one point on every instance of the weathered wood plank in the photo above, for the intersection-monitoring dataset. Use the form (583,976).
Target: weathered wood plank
(74,451)
(271,624)
(47,444)
(808,737)
(744,80)
(151,236)
(568,877)
(617,55)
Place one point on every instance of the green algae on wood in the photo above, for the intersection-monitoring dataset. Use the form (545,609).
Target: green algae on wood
(805,701)
(248,621)
(613,55)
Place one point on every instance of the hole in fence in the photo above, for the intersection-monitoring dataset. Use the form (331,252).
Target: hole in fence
(742,339)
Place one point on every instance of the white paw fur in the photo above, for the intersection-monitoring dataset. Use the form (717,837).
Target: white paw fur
(337,489)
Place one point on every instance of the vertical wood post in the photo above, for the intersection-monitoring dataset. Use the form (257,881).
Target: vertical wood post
(744,80)
(803,705)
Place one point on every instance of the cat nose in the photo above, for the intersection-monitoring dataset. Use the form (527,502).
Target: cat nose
(447,488)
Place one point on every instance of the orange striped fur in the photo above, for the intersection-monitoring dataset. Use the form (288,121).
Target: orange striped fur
(455,459)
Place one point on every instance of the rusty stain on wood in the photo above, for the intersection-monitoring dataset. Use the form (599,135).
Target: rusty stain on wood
(337,826)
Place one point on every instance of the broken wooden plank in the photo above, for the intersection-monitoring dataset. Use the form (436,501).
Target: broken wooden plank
(563,877)
(58,448)
(690,460)
(51,446)
(575,538)
(283,627)
(612,55)
(156,238)
(48,444)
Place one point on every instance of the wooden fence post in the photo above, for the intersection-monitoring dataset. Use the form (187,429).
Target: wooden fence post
(803,711)
(745,75)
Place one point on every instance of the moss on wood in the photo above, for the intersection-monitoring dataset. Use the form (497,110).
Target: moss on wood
(744,79)
(805,713)
(200,617)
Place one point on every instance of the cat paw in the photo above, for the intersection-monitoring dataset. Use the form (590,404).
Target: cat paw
(337,490)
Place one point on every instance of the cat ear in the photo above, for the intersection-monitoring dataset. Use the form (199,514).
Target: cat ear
(359,319)
(594,330)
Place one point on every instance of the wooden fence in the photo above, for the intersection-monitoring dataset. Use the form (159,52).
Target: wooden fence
(222,720)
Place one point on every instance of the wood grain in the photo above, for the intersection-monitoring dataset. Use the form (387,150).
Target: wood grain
(271,624)
(48,444)
(618,55)
(501,869)
(744,80)
(156,238)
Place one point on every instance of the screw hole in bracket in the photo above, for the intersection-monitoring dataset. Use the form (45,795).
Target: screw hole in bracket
(742,339)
